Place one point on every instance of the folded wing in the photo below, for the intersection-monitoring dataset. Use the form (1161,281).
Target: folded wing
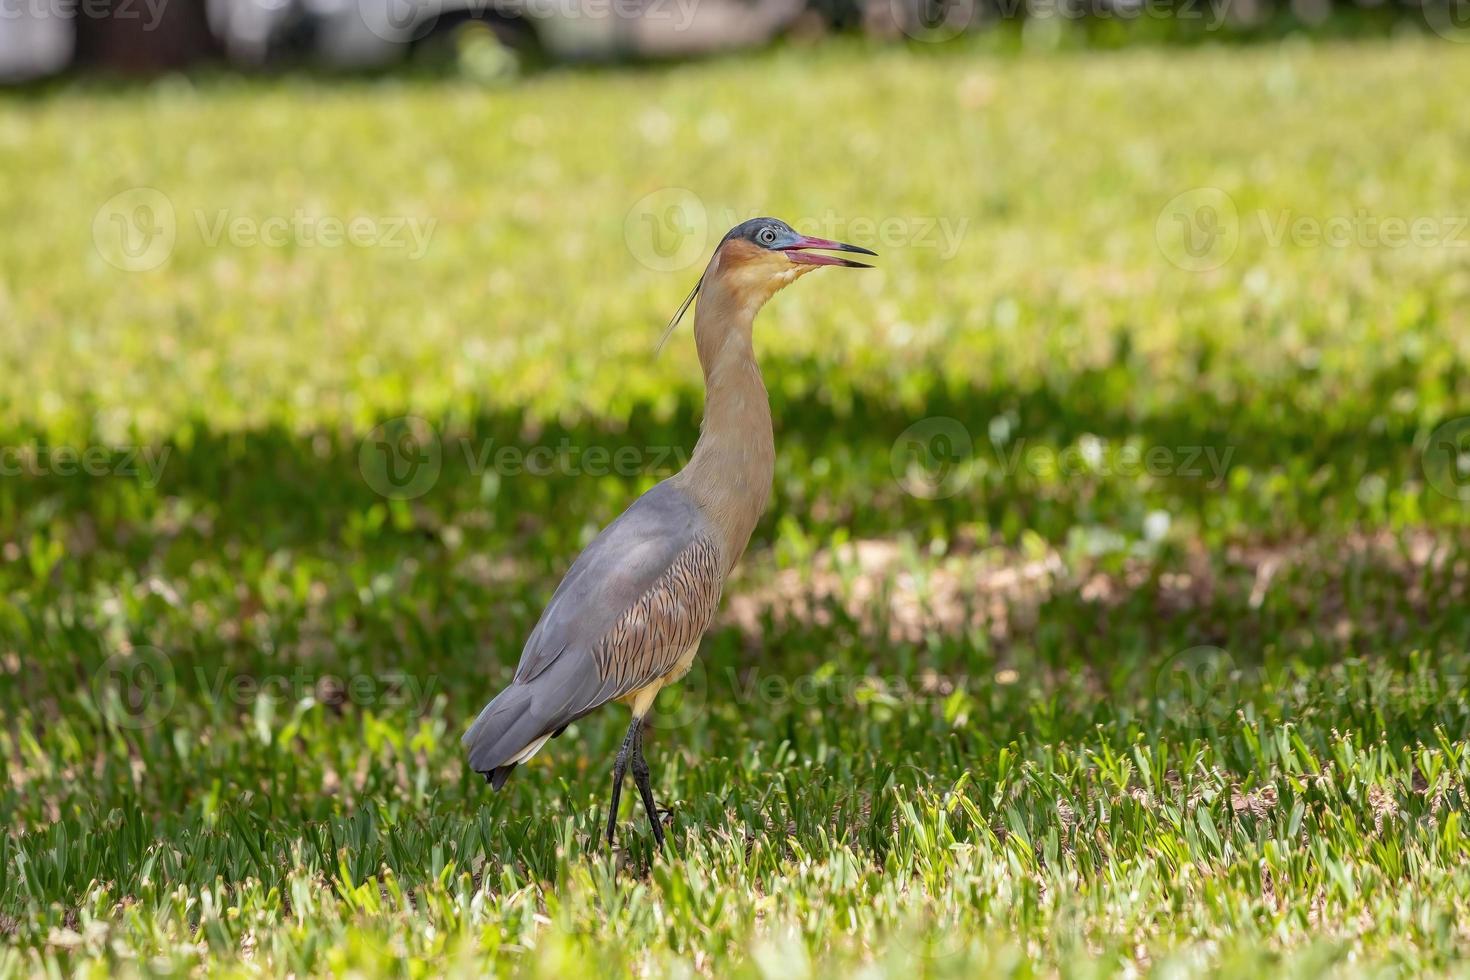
(632,604)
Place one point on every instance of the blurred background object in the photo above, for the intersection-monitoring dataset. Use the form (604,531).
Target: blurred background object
(40,38)
(34,44)
(44,37)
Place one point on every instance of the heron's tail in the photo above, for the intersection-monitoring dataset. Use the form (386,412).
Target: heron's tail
(507,733)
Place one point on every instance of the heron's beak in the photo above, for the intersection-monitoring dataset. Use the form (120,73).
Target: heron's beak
(796,252)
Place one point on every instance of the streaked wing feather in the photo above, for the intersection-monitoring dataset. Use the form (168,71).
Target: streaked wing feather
(631,577)
(648,640)
(631,605)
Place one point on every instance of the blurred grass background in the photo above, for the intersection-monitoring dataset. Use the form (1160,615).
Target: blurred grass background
(1072,721)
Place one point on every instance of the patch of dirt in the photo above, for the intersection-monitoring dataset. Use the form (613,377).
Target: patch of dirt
(889,591)
(878,583)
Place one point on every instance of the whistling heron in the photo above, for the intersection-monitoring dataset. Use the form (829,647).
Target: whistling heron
(628,617)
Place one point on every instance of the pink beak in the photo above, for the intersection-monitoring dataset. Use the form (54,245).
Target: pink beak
(795,251)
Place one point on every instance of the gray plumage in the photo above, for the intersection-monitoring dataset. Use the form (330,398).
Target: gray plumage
(633,603)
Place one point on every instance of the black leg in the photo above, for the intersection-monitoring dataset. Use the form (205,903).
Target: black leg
(620,767)
(645,789)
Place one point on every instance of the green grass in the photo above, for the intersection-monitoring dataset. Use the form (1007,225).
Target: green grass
(1170,676)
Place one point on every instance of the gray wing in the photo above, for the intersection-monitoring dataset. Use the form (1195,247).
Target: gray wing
(638,598)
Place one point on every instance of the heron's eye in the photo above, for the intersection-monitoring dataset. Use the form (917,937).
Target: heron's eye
(767,236)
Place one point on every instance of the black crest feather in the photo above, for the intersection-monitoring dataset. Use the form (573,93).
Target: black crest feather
(679,314)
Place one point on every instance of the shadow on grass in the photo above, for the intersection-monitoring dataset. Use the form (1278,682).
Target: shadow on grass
(996,459)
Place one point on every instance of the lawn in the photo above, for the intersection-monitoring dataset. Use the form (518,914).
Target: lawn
(1110,613)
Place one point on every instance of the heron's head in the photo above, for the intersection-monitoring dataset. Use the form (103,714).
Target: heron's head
(764,254)
(758,257)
